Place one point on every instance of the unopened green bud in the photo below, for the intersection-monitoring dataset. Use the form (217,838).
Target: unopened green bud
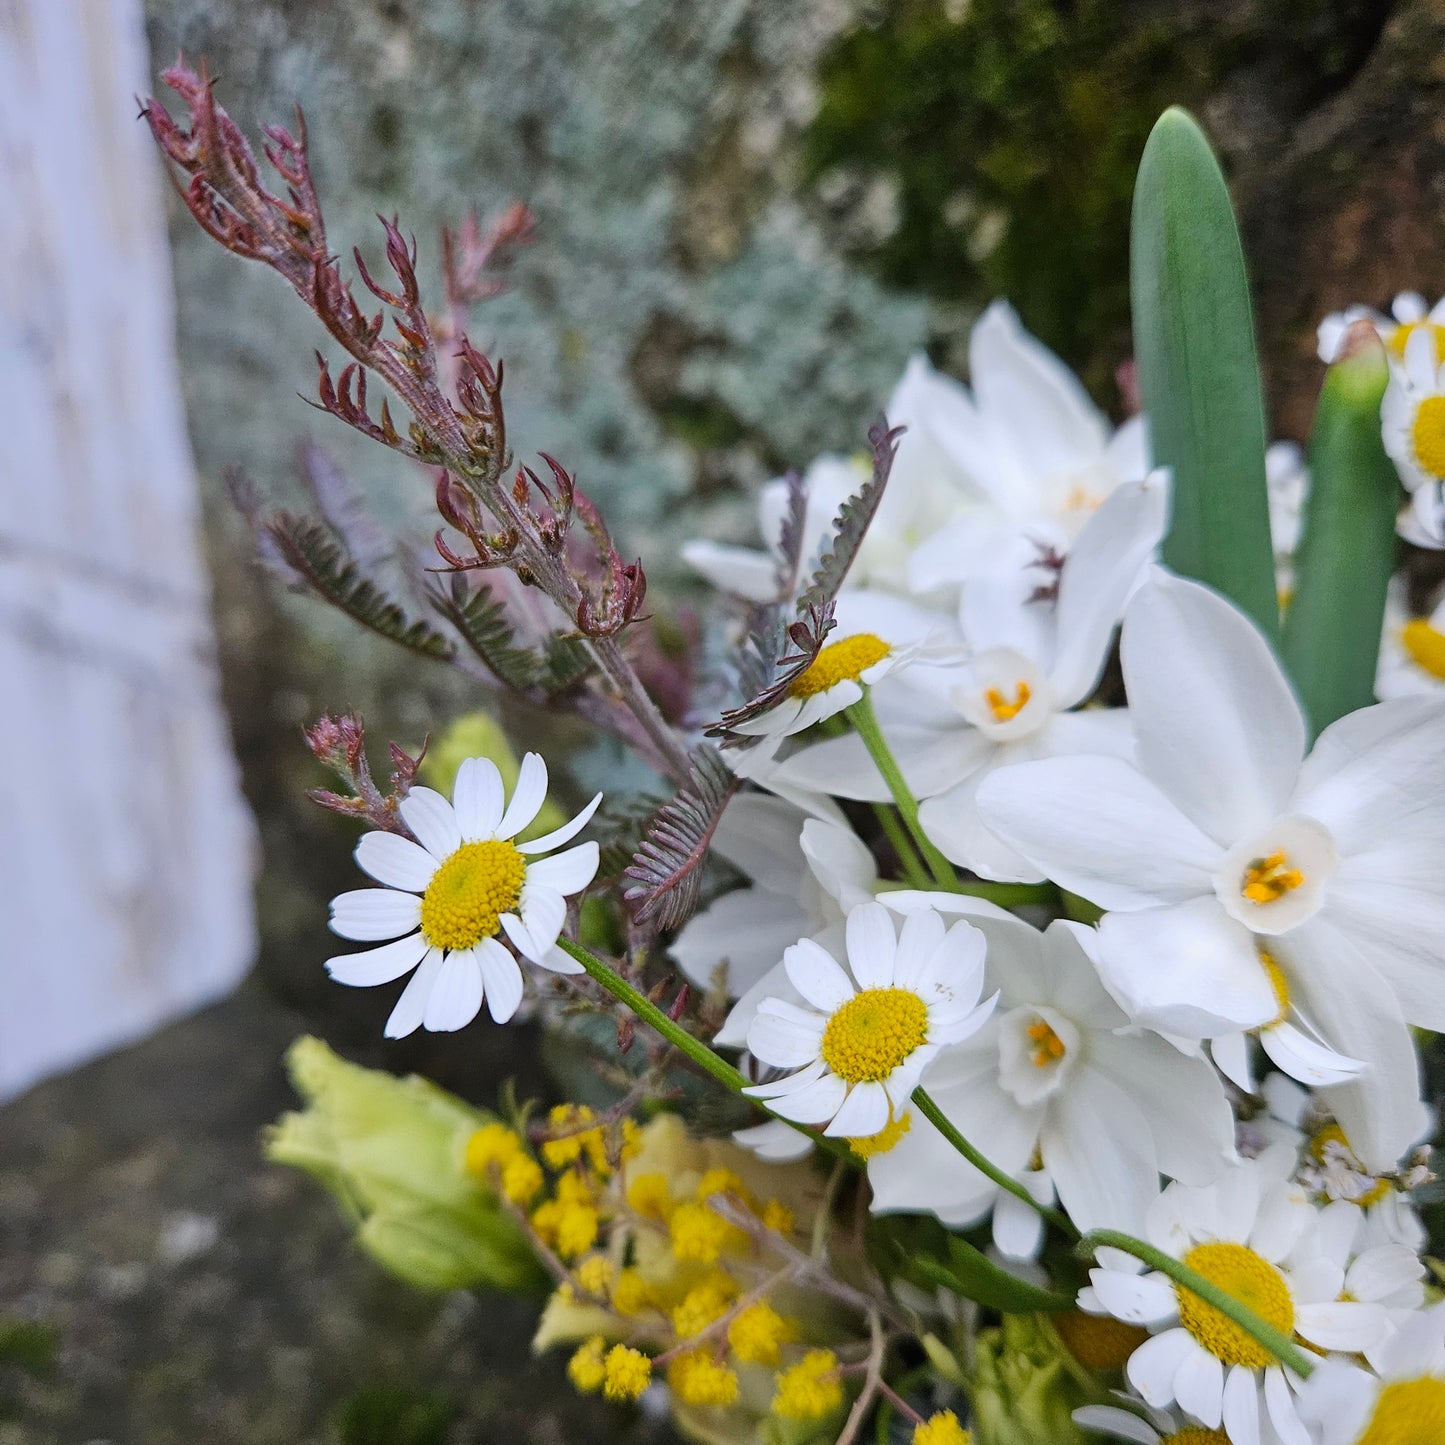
(391,1151)
(1026,1387)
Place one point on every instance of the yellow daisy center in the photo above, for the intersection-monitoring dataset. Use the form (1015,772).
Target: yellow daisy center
(1401,335)
(1049,1048)
(468,894)
(1253,1281)
(881,1142)
(1269,879)
(1425,646)
(1196,1435)
(1279,983)
(1333,1134)
(873,1033)
(843,661)
(1098,1342)
(1408,1412)
(1427,434)
(1002,708)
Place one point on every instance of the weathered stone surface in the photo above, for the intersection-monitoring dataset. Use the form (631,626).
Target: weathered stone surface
(196,1292)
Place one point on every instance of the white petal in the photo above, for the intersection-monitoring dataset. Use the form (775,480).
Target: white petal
(775,1141)
(789,1084)
(864,1112)
(785,1041)
(395,861)
(1219,729)
(565,833)
(456,994)
(556,961)
(872,946)
(815,1104)
(918,940)
(1199,1387)
(1018,1230)
(740,570)
(745,931)
(477,797)
(433,820)
(1302,1058)
(527,797)
(377,965)
(1241,1406)
(954,825)
(406,1017)
(1383,1271)
(543,913)
(1135,1299)
(565,873)
(1344,1325)
(817,976)
(1152,1367)
(1099,828)
(501,977)
(1231,1056)
(1188,969)
(1121,1424)
(366,914)
(1282,1413)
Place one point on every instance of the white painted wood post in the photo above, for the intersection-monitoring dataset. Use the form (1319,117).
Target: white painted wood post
(126,851)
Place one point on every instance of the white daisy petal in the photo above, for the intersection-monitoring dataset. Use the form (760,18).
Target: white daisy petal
(527,797)
(817,975)
(872,946)
(565,873)
(502,979)
(477,797)
(1018,1229)
(556,961)
(815,1104)
(1282,1413)
(791,1084)
(366,914)
(865,1111)
(776,1142)
(395,861)
(1121,1424)
(1344,1325)
(783,1042)
(1152,1367)
(558,836)
(1135,1299)
(1241,1406)
(1199,1387)
(433,820)
(456,993)
(543,913)
(377,965)
(406,1017)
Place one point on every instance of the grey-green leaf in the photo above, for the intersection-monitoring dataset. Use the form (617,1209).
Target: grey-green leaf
(1347,550)
(1198,372)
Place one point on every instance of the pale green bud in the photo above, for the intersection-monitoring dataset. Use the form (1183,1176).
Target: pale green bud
(391,1151)
(1026,1386)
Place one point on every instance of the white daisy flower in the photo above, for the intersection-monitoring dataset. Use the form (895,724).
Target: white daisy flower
(1253,1236)
(1399,1401)
(865,1034)
(1142,1424)
(1225,841)
(1060,1092)
(1412,424)
(1040,640)
(1412,649)
(449,896)
(1409,313)
(874,635)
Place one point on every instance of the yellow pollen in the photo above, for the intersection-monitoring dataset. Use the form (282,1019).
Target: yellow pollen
(696,1378)
(1268,879)
(1333,1134)
(1081,499)
(1002,709)
(1279,983)
(1401,335)
(626,1373)
(842,661)
(1196,1435)
(810,1389)
(873,1033)
(468,894)
(881,1142)
(1408,1412)
(1427,435)
(1253,1281)
(1049,1047)
(941,1429)
(1098,1342)
(1425,646)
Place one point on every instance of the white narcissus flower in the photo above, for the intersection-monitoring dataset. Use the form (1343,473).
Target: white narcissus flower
(1409,313)
(874,635)
(1288,480)
(1253,1236)
(805,873)
(449,896)
(1244,879)
(1040,640)
(1059,1080)
(1028,439)
(865,1034)
(1400,1400)
(1412,423)
(1412,649)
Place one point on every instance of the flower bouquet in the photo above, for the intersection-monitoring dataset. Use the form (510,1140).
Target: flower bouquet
(1002,1022)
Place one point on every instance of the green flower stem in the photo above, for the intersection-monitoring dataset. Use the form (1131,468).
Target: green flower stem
(914,872)
(1275,1341)
(865,721)
(683,1041)
(935,1116)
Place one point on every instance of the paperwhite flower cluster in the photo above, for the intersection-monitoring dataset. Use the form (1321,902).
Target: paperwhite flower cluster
(1239,894)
